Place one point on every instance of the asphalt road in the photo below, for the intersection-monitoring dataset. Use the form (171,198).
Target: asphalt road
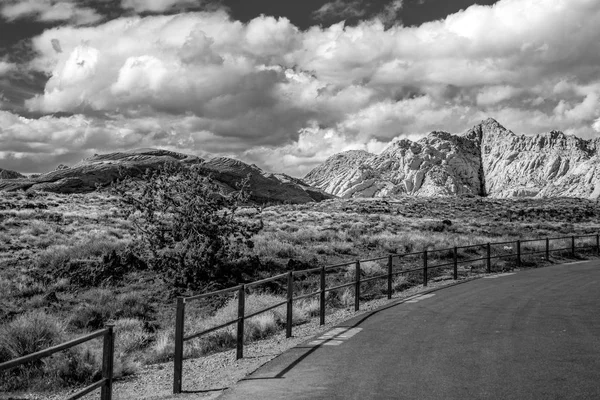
(531,335)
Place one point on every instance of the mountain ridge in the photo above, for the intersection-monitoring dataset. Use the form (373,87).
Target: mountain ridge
(485,160)
(101,169)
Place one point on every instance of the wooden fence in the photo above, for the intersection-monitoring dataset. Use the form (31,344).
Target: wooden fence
(105,384)
(487,250)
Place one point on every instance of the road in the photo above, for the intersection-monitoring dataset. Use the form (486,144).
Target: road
(534,334)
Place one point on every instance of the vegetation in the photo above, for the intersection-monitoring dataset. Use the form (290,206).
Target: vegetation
(188,227)
(70,263)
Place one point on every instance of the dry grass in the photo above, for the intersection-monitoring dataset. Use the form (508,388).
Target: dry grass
(42,232)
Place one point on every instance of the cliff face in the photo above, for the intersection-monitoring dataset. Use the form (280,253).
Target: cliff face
(486,160)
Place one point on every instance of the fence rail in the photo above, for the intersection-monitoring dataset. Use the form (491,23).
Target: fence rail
(180,338)
(105,384)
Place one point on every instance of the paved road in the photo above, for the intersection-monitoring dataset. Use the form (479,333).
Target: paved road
(531,335)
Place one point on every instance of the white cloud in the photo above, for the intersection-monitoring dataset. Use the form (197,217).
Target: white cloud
(287,98)
(496,94)
(50,11)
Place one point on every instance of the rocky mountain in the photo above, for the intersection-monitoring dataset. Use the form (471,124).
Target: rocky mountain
(8,174)
(486,160)
(102,169)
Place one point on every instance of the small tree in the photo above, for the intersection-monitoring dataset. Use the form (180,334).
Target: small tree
(187,223)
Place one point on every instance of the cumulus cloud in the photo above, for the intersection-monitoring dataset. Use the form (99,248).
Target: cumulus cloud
(50,11)
(285,98)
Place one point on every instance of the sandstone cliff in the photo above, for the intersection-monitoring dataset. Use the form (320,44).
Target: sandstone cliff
(487,160)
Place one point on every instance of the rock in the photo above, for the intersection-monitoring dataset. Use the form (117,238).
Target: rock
(486,160)
(8,174)
(263,187)
(102,169)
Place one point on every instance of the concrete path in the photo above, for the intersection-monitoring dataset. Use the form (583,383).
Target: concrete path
(534,334)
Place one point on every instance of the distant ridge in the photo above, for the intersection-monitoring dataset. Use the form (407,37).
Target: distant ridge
(486,160)
(102,169)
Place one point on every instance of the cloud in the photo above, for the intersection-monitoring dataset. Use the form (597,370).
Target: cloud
(285,98)
(50,11)
(340,9)
(6,67)
(391,12)
(157,6)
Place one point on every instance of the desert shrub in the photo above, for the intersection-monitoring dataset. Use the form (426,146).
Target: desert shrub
(29,333)
(77,365)
(188,225)
(101,305)
(110,269)
(130,335)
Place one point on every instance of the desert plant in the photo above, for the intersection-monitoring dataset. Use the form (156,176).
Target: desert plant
(187,223)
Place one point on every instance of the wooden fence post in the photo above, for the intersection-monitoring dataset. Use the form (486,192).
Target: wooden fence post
(322,298)
(424,267)
(573,246)
(389,277)
(357,286)
(240,324)
(489,258)
(597,244)
(108,350)
(178,356)
(547,249)
(455,260)
(290,300)
(518,253)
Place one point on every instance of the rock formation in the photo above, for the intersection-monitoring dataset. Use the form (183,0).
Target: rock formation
(102,169)
(486,160)
(8,174)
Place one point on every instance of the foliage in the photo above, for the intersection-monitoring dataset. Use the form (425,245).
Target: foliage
(188,225)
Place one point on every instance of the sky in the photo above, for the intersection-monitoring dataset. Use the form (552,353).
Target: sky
(286,84)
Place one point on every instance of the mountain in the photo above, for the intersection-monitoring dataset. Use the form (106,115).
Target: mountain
(102,169)
(8,174)
(486,160)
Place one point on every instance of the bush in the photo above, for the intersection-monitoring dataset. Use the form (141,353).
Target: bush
(102,305)
(31,333)
(188,225)
(28,334)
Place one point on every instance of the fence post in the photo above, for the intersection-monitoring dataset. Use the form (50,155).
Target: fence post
(573,246)
(518,253)
(489,258)
(357,286)
(322,298)
(240,325)
(290,299)
(547,249)
(597,245)
(107,363)
(455,260)
(389,277)
(424,267)
(178,356)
